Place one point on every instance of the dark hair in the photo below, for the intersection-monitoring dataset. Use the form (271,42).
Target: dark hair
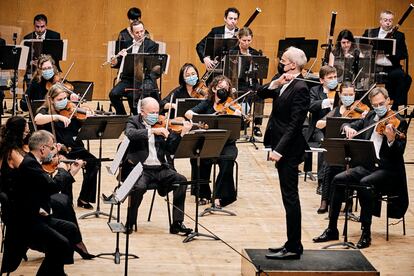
(215,82)
(12,135)
(136,23)
(134,13)
(326,70)
(344,34)
(39,17)
(226,12)
(346,84)
(181,80)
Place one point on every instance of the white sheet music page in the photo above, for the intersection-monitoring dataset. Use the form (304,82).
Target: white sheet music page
(118,156)
(126,187)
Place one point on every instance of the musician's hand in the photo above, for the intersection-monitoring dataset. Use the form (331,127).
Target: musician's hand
(76,166)
(123,52)
(364,114)
(114,61)
(160,131)
(321,124)
(64,120)
(349,132)
(186,127)
(273,156)
(209,63)
(283,79)
(390,133)
(74,97)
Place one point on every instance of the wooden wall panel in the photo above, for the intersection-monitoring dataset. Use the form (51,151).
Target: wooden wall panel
(88,25)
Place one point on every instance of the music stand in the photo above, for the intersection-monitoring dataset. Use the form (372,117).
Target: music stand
(309,46)
(349,153)
(99,128)
(334,126)
(80,87)
(53,47)
(219,46)
(9,60)
(232,124)
(184,104)
(201,144)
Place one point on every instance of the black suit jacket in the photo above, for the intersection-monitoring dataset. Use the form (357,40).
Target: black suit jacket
(148,46)
(391,158)
(284,129)
(202,44)
(317,95)
(401,48)
(49,35)
(138,147)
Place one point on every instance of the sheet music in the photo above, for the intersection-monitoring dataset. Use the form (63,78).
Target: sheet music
(65,49)
(167,65)
(126,187)
(118,156)
(23,56)
(110,50)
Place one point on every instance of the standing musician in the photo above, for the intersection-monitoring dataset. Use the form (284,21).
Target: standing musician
(49,116)
(142,45)
(150,145)
(231,17)
(287,143)
(249,82)
(134,14)
(220,91)
(45,76)
(389,176)
(188,80)
(397,84)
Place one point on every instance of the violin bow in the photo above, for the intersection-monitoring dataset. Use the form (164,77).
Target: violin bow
(360,100)
(67,72)
(380,121)
(235,100)
(167,121)
(80,101)
(359,72)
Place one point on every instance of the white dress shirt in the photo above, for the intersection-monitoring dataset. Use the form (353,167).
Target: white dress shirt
(152,159)
(228,33)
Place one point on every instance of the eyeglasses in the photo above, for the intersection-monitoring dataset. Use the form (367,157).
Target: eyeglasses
(52,148)
(378,105)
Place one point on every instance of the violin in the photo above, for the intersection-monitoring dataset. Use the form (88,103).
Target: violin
(176,124)
(394,121)
(50,167)
(72,110)
(200,91)
(229,106)
(356,110)
(57,79)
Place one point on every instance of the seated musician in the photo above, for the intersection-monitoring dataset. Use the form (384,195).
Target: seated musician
(188,80)
(397,83)
(246,82)
(150,145)
(388,177)
(231,16)
(142,45)
(220,90)
(45,75)
(344,47)
(56,237)
(49,116)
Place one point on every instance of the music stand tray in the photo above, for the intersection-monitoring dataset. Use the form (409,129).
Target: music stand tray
(198,145)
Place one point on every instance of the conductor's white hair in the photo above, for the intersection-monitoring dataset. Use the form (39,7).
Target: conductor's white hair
(296,56)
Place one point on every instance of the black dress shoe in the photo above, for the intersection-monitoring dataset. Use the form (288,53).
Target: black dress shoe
(276,249)
(284,254)
(257,132)
(327,235)
(365,240)
(85,205)
(179,227)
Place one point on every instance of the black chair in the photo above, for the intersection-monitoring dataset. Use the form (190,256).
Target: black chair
(389,199)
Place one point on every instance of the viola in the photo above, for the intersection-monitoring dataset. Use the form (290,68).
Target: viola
(356,110)
(176,124)
(394,121)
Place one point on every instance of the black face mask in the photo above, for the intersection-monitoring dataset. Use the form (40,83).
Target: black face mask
(222,94)
(281,68)
(26,139)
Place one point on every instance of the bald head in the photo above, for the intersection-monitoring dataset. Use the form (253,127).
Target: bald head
(149,105)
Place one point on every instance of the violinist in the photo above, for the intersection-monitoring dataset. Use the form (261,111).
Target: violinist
(46,74)
(218,93)
(188,80)
(389,177)
(142,44)
(397,82)
(248,82)
(150,147)
(49,117)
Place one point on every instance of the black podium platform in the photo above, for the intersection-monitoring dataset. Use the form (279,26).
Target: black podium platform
(312,262)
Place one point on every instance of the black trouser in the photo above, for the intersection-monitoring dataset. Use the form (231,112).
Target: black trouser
(163,177)
(396,86)
(57,239)
(225,187)
(63,209)
(364,181)
(328,175)
(289,178)
(90,173)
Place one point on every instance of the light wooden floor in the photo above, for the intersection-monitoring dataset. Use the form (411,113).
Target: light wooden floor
(260,223)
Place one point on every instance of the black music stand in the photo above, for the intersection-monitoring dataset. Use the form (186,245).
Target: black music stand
(349,153)
(199,145)
(219,46)
(53,47)
(99,128)
(309,46)
(334,126)
(232,124)
(184,104)
(9,60)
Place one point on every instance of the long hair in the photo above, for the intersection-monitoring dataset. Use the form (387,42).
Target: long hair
(344,34)
(215,82)
(42,59)
(11,135)
(54,91)
(184,68)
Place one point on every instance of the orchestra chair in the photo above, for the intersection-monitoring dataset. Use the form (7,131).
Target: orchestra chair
(389,200)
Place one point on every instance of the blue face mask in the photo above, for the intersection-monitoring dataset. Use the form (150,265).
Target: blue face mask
(332,84)
(48,74)
(191,80)
(61,104)
(381,110)
(347,100)
(151,118)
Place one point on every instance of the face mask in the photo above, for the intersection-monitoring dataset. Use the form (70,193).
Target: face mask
(151,118)
(281,68)
(61,104)
(222,94)
(48,158)
(332,84)
(381,110)
(48,74)
(347,100)
(191,80)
